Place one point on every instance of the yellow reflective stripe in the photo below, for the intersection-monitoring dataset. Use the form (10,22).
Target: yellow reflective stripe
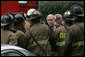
(69,13)
(78,43)
(38,12)
(65,13)
(62,35)
(35,13)
(40,42)
(60,43)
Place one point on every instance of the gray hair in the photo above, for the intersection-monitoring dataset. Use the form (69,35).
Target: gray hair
(58,16)
(51,15)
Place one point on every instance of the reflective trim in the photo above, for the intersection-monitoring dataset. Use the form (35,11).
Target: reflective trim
(60,43)
(78,43)
(40,42)
(35,12)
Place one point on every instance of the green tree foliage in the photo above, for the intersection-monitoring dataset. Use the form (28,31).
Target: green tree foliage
(54,7)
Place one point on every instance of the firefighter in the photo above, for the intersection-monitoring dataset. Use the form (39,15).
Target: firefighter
(19,25)
(61,33)
(74,42)
(37,36)
(7,29)
(20,22)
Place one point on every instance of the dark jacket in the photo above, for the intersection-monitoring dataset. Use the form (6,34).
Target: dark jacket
(74,43)
(19,34)
(60,39)
(41,33)
(8,36)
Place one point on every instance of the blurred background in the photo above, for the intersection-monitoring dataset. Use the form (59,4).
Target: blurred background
(54,7)
(45,7)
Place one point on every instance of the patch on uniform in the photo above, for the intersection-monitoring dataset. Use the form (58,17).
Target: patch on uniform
(62,35)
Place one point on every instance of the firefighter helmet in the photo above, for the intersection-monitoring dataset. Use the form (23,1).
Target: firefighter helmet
(7,19)
(67,16)
(19,17)
(33,14)
(77,10)
(23,14)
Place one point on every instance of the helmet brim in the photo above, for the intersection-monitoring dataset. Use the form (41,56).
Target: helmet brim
(70,19)
(81,15)
(2,24)
(34,16)
(78,14)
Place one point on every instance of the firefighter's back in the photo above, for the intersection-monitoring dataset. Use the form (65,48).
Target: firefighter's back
(78,42)
(41,34)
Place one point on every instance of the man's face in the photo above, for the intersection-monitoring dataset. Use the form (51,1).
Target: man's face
(59,21)
(50,20)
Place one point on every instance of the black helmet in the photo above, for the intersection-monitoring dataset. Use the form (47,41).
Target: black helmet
(24,15)
(33,14)
(67,16)
(19,17)
(77,10)
(7,19)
